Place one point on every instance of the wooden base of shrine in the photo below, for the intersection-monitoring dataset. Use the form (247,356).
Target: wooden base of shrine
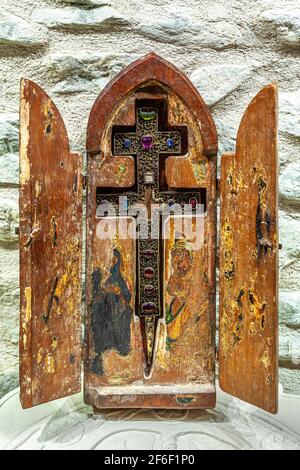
(150,400)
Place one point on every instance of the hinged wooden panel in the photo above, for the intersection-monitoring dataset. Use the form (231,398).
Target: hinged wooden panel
(50,252)
(248,258)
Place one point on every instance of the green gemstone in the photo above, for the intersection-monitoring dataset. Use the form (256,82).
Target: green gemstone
(147,115)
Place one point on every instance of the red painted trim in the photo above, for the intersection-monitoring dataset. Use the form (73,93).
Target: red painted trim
(150,67)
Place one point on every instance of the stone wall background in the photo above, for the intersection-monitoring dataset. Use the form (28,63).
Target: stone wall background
(229,49)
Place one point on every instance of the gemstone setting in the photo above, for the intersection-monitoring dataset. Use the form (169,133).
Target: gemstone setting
(193,202)
(147,142)
(149,272)
(149,308)
(149,290)
(148,254)
(149,178)
(147,115)
(170,143)
(126,143)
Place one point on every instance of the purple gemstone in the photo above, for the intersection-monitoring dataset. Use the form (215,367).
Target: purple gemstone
(147,142)
(149,308)
(149,290)
(148,254)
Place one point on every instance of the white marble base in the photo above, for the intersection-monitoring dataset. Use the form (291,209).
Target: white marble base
(70,424)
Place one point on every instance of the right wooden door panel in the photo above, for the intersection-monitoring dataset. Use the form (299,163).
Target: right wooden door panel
(248,258)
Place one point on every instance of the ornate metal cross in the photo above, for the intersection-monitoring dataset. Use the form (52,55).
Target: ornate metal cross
(150,141)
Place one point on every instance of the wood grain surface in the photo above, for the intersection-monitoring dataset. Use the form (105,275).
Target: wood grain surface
(248,258)
(50,252)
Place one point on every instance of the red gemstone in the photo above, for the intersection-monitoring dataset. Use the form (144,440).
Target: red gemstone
(148,254)
(193,202)
(149,272)
(149,308)
(149,290)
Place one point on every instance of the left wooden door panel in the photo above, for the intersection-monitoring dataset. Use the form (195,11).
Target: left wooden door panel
(50,252)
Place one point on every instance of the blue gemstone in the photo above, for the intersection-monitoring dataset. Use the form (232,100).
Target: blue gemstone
(126,143)
(171,202)
(170,143)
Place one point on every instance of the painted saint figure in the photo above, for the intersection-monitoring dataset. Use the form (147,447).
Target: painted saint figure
(111,313)
(178,287)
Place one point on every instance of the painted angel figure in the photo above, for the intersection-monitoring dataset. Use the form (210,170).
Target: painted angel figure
(178,288)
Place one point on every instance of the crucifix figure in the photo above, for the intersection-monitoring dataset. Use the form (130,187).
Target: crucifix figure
(150,141)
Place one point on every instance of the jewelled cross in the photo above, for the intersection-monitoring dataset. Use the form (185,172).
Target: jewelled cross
(150,141)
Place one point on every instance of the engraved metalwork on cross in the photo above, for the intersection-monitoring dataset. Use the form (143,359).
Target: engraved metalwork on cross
(150,143)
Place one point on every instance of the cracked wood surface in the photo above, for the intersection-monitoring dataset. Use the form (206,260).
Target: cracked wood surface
(50,252)
(248,258)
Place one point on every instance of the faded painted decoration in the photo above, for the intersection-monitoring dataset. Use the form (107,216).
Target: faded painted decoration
(111,312)
(150,248)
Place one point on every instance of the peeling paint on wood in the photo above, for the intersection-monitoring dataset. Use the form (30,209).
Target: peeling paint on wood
(50,252)
(24,135)
(248,258)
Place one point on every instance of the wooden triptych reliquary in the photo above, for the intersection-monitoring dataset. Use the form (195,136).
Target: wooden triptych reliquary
(151,248)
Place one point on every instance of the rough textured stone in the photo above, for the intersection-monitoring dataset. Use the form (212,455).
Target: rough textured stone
(18,32)
(181,28)
(9,318)
(289,255)
(287,24)
(9,133)
(289,308)
(8,215)
(9,170)
(214,82)
(289,112)
(290,275)
(289,345)
(290,379)
(9,145)
(289,184)
(83,70)
(75,18)
(227,133)
(289,229)
(9,379)
(87,3)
